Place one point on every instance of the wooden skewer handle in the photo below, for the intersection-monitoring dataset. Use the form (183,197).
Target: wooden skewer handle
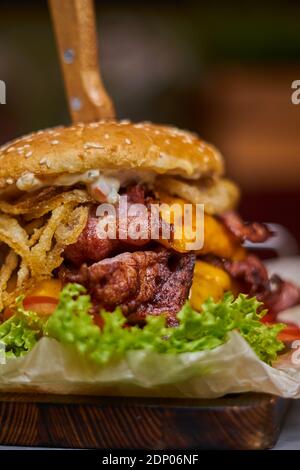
(76,37)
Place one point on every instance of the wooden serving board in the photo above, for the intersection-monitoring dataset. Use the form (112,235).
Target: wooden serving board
(246,421)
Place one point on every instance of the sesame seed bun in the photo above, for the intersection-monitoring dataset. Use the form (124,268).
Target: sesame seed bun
(109,145)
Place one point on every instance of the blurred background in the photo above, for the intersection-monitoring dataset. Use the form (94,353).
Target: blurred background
(223,69)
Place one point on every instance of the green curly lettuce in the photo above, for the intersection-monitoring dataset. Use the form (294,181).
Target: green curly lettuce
(20,333)
(197,332)
(72,324)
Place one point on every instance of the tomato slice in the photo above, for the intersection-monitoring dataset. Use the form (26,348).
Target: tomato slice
(289,334)
(42,305)
(8,313)
(269,318)
(98,320)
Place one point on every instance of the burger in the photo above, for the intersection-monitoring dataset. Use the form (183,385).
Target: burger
(107,295)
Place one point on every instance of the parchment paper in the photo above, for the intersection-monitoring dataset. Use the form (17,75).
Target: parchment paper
(231,368)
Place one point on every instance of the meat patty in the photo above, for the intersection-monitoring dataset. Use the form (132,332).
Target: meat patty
(141,283)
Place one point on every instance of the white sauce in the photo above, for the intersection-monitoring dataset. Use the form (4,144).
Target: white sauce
(27,182)
(73,178)
(103,186)
(105,189)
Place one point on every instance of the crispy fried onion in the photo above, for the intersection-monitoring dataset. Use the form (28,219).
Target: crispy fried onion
(42,258)
(69,231)
(8,267)
(219,196)
(38,204)
(35,248)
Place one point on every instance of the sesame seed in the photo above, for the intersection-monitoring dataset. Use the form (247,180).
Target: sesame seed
(11,149)
(106,136)
(188,139)
(93,125)
(181,133)
(9,181)
(26,146)
(157,132)
(93,145)
(128,141)
(40,132)
(123,122)
(164,155)
(28,154)
(56,134)
(45,161)
(54,142)
(167,141)
(92,175)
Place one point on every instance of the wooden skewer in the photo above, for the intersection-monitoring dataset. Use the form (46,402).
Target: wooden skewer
(76,37)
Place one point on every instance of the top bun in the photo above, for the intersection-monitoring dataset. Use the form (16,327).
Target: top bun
(109,145)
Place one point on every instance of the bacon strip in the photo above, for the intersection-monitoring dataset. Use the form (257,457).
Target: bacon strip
(252,277)
(90,247)
(249,272)
(280,296)
(254,232)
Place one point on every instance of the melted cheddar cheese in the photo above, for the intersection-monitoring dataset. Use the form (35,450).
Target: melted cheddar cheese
(208,281)
(47,288)
(217,239)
